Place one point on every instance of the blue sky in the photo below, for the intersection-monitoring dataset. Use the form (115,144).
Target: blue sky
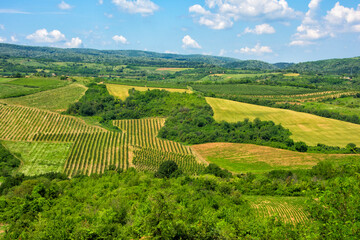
(269,30)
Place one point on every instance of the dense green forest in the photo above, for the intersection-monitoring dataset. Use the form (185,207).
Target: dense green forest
(133,205)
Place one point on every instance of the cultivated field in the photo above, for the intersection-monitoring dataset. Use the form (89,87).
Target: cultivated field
(122,91)
(57,99)
(172,69)
(287,209)
(40,157)
(304,127)
(241,158)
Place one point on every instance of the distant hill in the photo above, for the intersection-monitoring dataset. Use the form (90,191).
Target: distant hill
(283,65)
(346,66)
(118,57)
(251,64)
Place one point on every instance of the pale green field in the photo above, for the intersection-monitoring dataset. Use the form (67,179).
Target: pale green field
(122,91)
(54,100)
(304,127)
(40,157)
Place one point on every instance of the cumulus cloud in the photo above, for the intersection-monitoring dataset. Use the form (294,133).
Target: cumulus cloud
(64,6)
(2,26)
(120,39)
(74,43)
(2,39)
(101,2)
(43,36)
(261,29)
(188,42)
(258,49)
(143,7)
(223,13)
(108,15)
(339,19)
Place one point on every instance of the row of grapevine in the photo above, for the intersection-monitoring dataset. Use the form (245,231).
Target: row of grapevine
(288,213)
(22,123)
(95,152)
(143,132)
(150,159)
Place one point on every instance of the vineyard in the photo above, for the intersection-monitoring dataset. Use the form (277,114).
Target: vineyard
(93,149)
(287,209)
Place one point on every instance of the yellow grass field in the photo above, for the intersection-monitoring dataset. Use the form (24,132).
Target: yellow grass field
(172,69)
(291,74)
(122,91)
(304,127)
(241,158)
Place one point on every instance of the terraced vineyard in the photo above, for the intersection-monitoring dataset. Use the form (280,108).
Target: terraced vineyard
(151,151)
(143,132)
(150,159)
(93,149)
(288,209)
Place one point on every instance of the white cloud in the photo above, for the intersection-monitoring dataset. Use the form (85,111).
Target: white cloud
(300,43)
(108,15)
(120,39)
(261,29)
(258,49)
(64,6)
(223,13)
(2,26)
(74,43)
(143,7)
(188,42)
(222,52)
(43,36)
(339,19)
(2,39)
(13,11)
(101,2)
(170,52)
(14,39)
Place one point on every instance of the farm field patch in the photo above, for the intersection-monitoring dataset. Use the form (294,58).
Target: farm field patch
(241,158)
(40,157)
(305,127)
(122,91)
(172,69)
(244,89)
(54,100)
(290,210)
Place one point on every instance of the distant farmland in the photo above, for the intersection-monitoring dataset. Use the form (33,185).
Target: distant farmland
(304,127)
(122,91)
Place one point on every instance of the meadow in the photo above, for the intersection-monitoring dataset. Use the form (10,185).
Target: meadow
(40,157)
(57,99)
(244,89)
(243,158)
(308,128)
(122,91)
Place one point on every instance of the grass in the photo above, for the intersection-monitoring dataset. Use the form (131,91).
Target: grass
(25,86)
(291,74)
(290,210)
(172,69)
(54,100)
(40,157)
(241,158)
(305,127)
(7,90)
(122,91)
(5,80)
(39,82)
(244,89)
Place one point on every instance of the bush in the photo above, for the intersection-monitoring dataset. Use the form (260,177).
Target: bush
(167,169)
(301,147)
